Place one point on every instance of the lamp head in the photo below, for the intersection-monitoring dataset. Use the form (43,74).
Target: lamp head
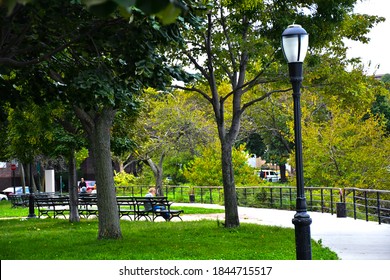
(295,41)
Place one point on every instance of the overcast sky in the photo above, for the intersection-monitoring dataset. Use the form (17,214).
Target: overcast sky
(377,51)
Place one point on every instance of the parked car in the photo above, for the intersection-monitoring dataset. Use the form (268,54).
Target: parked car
(90,185)
(3,197)
(19,190)
(269,175)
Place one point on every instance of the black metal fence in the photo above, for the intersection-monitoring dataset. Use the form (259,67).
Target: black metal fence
(371,205)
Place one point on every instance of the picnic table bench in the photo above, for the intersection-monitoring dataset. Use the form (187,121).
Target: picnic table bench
(52,205)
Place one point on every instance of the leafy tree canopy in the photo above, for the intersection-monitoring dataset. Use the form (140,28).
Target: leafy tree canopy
(166,10)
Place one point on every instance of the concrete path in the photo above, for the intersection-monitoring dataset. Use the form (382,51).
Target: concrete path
(350,239)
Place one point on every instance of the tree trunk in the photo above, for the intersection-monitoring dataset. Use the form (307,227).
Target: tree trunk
(22,177)
(33,186)
(109,226)
(98,126)
(158,175)
(30,179)
(282,168)
(72,186)
(231,210)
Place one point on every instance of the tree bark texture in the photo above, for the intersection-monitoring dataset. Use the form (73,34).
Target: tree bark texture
(98,125)
(73,193)
(158,175)
(231,209)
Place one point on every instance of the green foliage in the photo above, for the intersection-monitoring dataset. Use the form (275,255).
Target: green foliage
(80,156)
(36,131)
(172,128)
(381,108)
(347,150)
(205,170)
(124,179)
(166,10)
(386,78)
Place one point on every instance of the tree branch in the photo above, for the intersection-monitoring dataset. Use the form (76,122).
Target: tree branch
(85,119)
(254,101)
(194,90)
(232,76)
(197,65)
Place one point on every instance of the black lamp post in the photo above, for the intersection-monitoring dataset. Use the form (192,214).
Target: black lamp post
(295,42)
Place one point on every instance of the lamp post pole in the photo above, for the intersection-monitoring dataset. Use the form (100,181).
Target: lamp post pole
(31,198)
(13,168)
(295,42)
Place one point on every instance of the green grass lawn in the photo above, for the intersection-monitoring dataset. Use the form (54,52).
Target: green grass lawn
(57,239)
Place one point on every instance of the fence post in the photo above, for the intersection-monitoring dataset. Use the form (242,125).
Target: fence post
(354,203)
(366,204)
(331,201)
(378,203)
(281,197)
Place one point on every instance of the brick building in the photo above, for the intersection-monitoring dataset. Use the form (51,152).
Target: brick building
(6,176)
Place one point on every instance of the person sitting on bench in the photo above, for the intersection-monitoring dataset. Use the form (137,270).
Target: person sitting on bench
(148,205)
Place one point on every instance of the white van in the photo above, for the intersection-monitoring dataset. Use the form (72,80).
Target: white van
(269,175)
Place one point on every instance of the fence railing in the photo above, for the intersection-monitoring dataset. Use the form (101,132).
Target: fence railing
(371,205)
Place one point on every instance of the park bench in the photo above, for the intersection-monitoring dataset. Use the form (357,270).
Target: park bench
(142,204)
(87,205)
(126,207)
(55,206)
(19,200)
(131,207)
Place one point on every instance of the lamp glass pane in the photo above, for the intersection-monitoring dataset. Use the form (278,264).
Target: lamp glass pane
(304,46)
(290,48)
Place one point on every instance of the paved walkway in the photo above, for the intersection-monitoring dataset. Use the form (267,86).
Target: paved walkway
(350,239)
